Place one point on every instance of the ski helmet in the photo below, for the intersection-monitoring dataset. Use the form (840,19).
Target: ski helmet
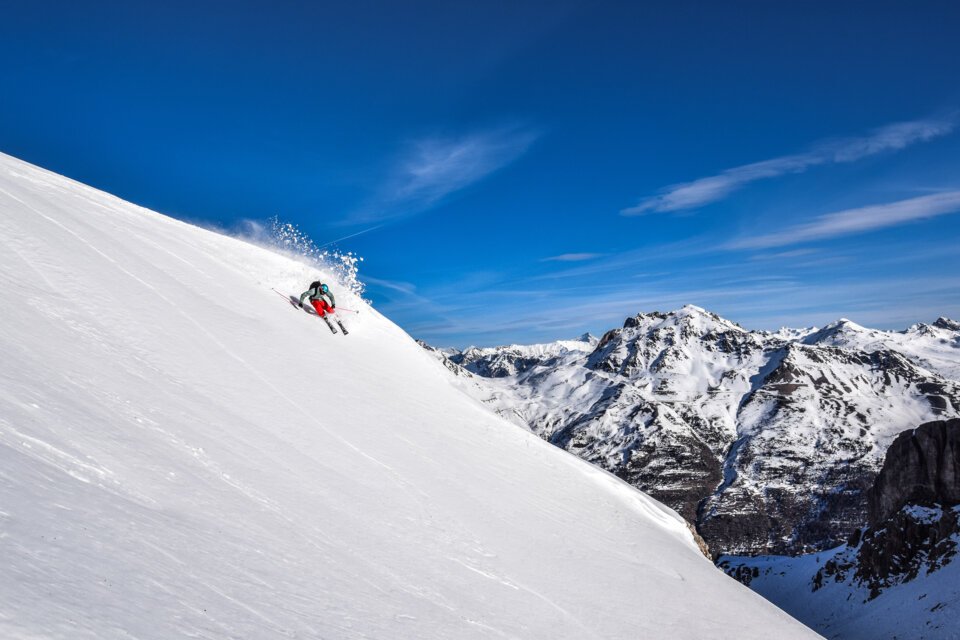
(325,288)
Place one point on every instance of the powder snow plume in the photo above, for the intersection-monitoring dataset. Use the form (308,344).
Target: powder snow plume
(289,239)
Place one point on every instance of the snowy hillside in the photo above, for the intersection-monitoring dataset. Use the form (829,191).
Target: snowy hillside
(765,440)
(183,454)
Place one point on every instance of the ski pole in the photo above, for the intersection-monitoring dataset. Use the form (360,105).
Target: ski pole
(284,296)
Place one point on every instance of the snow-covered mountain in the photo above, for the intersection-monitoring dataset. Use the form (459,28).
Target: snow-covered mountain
(501,362)
(765,440)
(183,454)
(933,346)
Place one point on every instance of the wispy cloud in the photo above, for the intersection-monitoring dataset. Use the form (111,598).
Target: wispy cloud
(703,191)
(860,220)
(784,255)
(430,169)
(406,288)
(572,257)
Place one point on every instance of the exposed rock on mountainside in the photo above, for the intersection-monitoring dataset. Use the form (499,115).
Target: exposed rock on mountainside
(915,539)
(911,524)
(946,323)
(899,574)
(766,441)
(922,467)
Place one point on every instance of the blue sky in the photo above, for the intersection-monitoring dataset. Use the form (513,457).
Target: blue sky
(528,171)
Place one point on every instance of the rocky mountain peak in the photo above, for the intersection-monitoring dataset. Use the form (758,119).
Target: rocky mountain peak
(947,323)
(689,320)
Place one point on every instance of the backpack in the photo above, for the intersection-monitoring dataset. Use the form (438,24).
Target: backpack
(316,285)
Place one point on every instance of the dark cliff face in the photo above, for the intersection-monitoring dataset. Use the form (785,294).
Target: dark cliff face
(914,532)
(921,467)
(913,519)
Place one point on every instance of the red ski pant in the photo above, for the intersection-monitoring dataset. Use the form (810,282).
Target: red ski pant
(322,306)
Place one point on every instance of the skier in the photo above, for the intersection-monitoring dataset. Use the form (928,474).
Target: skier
(319,294)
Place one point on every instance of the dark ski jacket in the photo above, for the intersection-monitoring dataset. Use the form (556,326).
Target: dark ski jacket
(316,293)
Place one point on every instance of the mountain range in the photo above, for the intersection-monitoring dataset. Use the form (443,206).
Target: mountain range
(765,441)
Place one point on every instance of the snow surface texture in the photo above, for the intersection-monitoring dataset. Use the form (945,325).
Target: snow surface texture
(182,454)
(765,440)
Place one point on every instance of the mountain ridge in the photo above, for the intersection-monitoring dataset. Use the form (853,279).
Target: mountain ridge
(718,421)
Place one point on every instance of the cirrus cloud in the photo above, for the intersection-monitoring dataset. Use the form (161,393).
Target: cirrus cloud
(431,169)
(572,257)
(859,220)
(703,191)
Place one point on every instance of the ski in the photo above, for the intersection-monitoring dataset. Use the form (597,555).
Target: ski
(342,328)
(330,324)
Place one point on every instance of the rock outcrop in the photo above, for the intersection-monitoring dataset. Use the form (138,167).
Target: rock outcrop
(907,553)
(915,539)
(922,467)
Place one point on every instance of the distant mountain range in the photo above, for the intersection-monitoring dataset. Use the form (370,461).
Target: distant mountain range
(765,441)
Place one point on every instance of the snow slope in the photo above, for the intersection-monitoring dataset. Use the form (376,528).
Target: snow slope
(182,454)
